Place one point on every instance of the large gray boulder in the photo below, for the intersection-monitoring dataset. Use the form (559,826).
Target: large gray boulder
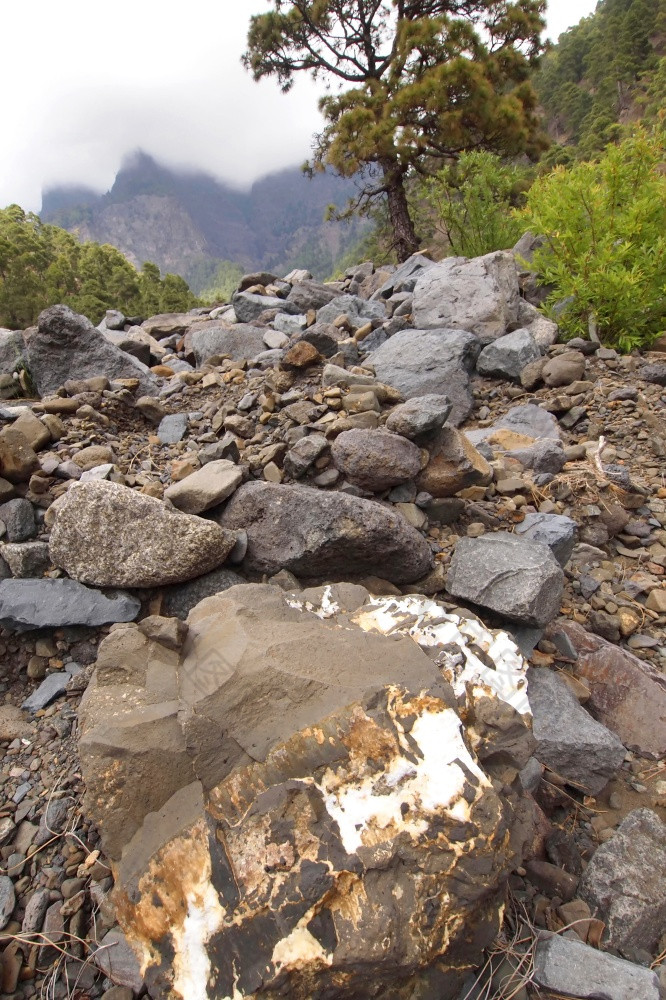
(375,460)
(111,536)
(508,355)
(239,342)
(285,794)
(32,604)
(67,346)
(519,579)
(421,362)
(330,535)
(569,741)
(479,295)
(625,884)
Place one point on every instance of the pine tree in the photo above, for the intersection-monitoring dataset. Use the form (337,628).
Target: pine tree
(424,80)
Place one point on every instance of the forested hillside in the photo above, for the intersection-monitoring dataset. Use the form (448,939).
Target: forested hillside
(606,72)
(43,264)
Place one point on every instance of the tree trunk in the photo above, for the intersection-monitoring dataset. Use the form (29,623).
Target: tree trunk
(405,239)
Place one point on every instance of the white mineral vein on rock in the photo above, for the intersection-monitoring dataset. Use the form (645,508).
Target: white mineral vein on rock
(364,810)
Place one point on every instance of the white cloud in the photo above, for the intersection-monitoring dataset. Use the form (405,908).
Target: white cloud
(84,83)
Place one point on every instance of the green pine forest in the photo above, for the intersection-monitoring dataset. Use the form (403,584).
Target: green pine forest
(602,97)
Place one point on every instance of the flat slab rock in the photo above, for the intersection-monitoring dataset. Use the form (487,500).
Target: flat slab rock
(317,534)
(111,536)
(574,969)
(519,579)
(33,604)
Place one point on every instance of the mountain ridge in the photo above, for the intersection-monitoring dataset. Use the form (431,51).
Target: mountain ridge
(190,223)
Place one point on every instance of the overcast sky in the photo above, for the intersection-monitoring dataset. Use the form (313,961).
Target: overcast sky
(85,83)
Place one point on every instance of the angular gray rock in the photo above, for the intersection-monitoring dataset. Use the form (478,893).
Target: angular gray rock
(52,687)
(554,530)
(18,517)
(357,310)
(479,295)
(545,455)
(571,968)
(529,419)
(7,900)
(627,694)
(419,415)
(375,460)
(26,559)
(172,428)
(405,276)
(520,580)
(111,536)
(569,741)
(625,884)
(306,295)
(205,488)
(421,362)
(32,604)
(249,306)
(508,355)
(299,459)
(12,351)
(331,535)
(239,342)
(67,346)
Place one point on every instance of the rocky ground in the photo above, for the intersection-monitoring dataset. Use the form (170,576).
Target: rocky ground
(319,438)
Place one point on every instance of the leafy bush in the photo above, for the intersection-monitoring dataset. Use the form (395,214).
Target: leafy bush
(472,202)
(605,228)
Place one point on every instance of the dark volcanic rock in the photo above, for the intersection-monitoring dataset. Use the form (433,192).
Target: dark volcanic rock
(67,346)
(376,460)
(332,535)
(28,604)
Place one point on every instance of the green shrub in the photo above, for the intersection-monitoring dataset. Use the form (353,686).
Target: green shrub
(605,228)
(472,203)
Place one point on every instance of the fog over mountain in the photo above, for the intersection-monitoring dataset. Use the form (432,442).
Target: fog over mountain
(188,222)
(103,81)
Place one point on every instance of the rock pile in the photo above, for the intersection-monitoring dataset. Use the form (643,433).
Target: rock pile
(303,776)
